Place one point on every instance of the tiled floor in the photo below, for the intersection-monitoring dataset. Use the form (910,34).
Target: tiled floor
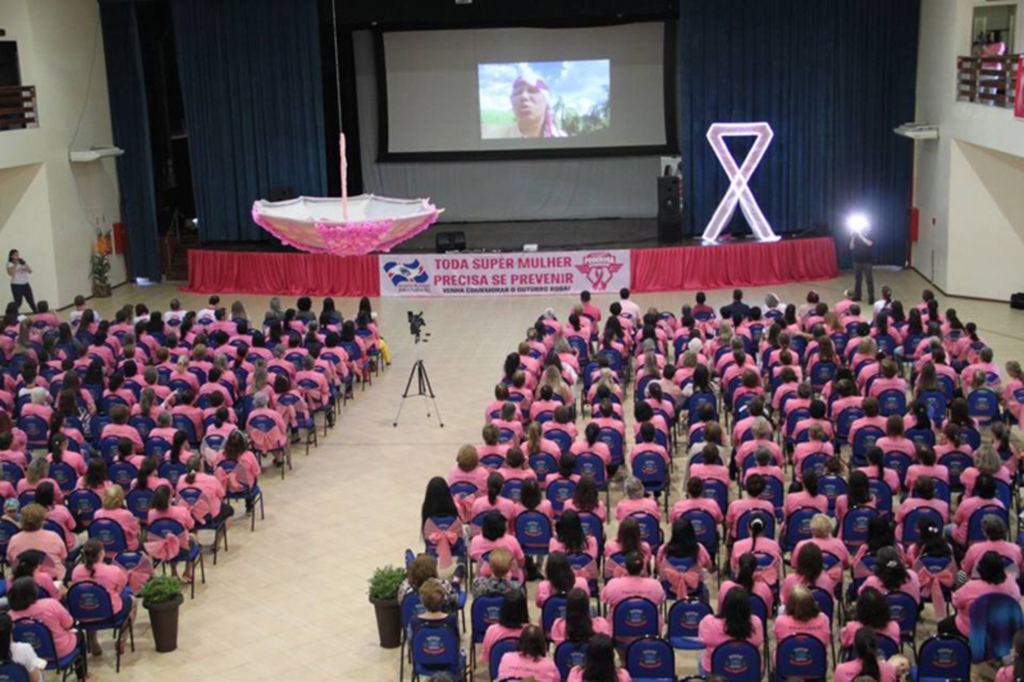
(289,601)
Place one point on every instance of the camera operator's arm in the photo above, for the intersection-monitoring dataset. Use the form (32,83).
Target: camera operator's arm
(28,268)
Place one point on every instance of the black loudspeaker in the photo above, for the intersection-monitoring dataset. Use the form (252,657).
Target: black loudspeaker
(451,241)
(1017,301)
(282,194)
(670,195)
(670,210)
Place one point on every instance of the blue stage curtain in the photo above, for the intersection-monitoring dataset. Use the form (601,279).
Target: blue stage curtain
(130,122)
(833,78)
(250,76)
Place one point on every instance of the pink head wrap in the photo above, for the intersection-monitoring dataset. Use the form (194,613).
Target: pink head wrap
(548,129)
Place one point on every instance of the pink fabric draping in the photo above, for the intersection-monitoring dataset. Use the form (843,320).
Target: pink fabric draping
(732,265)
(281,274)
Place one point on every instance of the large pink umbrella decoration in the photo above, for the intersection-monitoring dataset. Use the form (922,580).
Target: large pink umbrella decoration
(345,227)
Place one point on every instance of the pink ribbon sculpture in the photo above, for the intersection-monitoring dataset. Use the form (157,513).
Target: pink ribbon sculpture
(345,227)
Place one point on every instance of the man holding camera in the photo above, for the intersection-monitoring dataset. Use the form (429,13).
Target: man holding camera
(862,248)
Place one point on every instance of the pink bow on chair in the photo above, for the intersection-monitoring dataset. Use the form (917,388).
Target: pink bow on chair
(614,570)
(443,540)
(164,548)
(683,582)
(588,571)
(465,505)
(200,509)
(934,582)
(140,574)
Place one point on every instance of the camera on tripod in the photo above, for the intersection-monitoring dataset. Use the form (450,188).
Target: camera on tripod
(416,325)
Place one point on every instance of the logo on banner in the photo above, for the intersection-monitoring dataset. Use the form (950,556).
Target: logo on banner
(599,268)
(406,273)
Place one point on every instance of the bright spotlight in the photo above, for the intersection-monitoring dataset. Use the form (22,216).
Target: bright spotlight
(858,223)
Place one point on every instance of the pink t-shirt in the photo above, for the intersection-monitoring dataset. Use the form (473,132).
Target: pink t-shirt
(545,591)
(703,504)
(1002,547)
(974,589)
(47,542)
(643,505)
(912,587)
(600,626)
(761,589)
(56,618)
(849,632)
(819,627)
(711,632)
(110,576)
(576,674)
(515,664)
(617,590)
(495,633)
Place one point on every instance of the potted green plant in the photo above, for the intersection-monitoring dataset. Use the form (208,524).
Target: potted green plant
(162,598)
(384,584)
(100,271)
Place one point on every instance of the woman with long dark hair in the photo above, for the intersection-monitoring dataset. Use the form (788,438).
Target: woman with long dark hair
(733,622)
(992,578)
(891,575)
(682,549)
(871,611)
(560,579)
(865,662)
(21,290)
(600,663)
(578,625)
(570,538)
(809,572)
(513,616)
(530,660)
(746,577)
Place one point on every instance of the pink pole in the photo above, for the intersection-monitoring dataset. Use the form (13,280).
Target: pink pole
(344,180)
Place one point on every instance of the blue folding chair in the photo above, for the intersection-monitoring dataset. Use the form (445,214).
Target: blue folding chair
(83,504)
(705,528)
(651,659)
(892,401)
(139,503)
(155,447)
(560,491)
(483,614)
(122,473)
(408,609)
(251,493)
(435,650)
(832,487)
(801,657)
(995,619)
(904,609)
(561,438)
(613,439)
(143,425)
(533,530)
(798,527)
(651,470)
(882,493)
(974,531)
(942,659)
(683,624)
(12,473)
(634,619)
(743,524)
(568,655)
(543,465)
(912,521)
(64,475)
(12,672)
(983,405)
(717,491)
(552,610)
(956,462)
(191,553)
(498,651)
(184,423)
(32,631)
(899,462)
(737,661)
(855,526)
(110,534)
(650,530)
(192,495)
(864,439)
(512,489)
(172,471)
(37,431)
(89,604)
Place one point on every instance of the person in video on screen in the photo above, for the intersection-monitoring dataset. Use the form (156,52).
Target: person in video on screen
(531,104)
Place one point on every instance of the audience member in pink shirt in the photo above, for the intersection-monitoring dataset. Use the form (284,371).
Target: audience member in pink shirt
(33,536)
(632,585)
(111,577)
(986,461)
(468,470)
(600,660)
(493,500)
(647,444)
(734,622)
(750,502)
(493,534)
(996,533)
(161,509)
(515,468)
(236,452)
(38,407)
(530,661)
(578,625)
(634,501)
(560,579)
(592,444)
(985,496)
(865,662)
(275,437)
(35,474)
(59,454)
(755,544)
(95,478)
(9,454)
(114,509)
(803,617)
(871,418)
(888,380)
(992,578)
(24,602)
(119,428)
(586,499)
(513,616)
(626,541)
(695,500)
(923,498)
(926,467)
(891,575)
(57,513)
(809,572)
(210,486)
(876,470)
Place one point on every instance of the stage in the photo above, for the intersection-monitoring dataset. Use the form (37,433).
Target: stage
(683,268)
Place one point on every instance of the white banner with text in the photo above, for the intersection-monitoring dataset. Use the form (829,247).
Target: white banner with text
(503,274)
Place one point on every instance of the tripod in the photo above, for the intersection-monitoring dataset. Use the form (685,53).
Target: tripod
(423,388)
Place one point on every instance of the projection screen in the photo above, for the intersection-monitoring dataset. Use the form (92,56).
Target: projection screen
(525,92)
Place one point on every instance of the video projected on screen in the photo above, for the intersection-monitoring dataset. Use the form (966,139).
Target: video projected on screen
(544,99)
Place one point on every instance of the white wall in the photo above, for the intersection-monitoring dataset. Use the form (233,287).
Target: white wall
(59,44)
(949,248)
